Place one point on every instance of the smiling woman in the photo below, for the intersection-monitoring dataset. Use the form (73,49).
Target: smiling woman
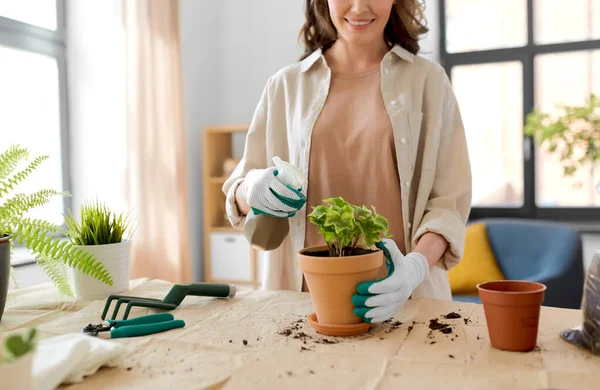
(326,21)
(364,118)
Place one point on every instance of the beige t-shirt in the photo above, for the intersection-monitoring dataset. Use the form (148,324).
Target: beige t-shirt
(353,154)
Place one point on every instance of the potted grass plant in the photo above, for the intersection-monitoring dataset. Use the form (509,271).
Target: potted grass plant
(348,257)
(45,240)
(106,235)
(16,358)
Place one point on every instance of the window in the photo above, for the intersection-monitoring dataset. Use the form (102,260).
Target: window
(33,103)
(505,57)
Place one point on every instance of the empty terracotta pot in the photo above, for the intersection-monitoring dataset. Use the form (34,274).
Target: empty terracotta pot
(332,281)
(512,313)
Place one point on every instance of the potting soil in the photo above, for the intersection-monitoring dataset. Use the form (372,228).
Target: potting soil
(588,334)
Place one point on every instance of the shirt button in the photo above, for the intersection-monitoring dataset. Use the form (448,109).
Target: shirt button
(407,184)
(409,225)
(403,140)
(393,102)
(303,143)
(387,71)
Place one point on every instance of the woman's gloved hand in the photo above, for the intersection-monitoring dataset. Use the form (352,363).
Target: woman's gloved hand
(267,195)
(379,300)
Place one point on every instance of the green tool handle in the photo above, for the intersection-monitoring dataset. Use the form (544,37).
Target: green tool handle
(142,330)
(149,319)
(180,291)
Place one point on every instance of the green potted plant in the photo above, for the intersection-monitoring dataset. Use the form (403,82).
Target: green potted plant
(16,358)
(347,258)
(573,133)
(44,239)
(106,235)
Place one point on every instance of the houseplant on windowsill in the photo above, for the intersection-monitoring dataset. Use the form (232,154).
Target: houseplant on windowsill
(333,270)
(16,357)
(44,239)
(573,134)
(106,235)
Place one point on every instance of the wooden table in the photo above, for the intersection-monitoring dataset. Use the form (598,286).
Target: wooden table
(281,352)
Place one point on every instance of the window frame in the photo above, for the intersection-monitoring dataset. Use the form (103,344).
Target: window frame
(526,55)
(34,39)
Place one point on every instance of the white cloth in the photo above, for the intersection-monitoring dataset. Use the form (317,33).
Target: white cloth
(431,150)
(71,357)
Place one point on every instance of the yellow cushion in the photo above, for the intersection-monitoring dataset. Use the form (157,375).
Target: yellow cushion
(478,263)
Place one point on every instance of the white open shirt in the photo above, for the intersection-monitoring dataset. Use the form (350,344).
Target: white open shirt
(431,149)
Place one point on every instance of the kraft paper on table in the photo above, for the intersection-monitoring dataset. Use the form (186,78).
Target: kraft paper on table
(209,353)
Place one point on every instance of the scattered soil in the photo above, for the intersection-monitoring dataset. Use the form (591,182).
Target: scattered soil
(129,368)
(452,315)
(434,324)
(311,371)
(326,341)
(286,332)
(478,338)
(432,342)
(245,342)
(451,356)
(467,320)
(304,349)
(352,252)
(410,328)
(447,330)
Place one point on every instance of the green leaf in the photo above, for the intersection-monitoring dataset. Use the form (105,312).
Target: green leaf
(570,132)
(18,345)
(343,225)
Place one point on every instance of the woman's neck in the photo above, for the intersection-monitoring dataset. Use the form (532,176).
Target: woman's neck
(349,58)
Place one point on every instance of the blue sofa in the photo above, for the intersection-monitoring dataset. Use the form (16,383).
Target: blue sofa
(538,251)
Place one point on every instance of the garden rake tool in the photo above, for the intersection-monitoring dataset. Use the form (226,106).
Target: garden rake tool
(140,326)
(173,298)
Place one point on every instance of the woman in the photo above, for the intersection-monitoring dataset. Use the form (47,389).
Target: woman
(364,118)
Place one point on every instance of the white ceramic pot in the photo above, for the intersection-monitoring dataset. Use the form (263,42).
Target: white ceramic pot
(17,375)
(116,259)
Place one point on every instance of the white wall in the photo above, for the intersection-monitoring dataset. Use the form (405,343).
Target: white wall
(229,50)
(96,101)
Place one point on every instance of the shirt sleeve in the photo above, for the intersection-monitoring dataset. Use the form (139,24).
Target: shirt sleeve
(254,157)
(449,204)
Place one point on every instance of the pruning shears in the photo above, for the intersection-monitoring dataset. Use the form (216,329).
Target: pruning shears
(139,326)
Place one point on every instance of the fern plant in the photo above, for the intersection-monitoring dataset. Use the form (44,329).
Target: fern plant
(344,226)
(99,225)
(44,239)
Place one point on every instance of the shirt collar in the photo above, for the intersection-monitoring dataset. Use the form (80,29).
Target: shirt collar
(309,61)
(316,55)
(403,53)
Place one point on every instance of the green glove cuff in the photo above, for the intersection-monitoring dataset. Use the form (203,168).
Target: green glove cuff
(363,288)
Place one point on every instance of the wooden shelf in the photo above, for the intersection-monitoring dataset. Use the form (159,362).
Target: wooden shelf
(224,229)
(217,145)
(217,179)
(227,128)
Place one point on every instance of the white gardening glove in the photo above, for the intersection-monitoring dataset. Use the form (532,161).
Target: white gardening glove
(267,195)
(380,300)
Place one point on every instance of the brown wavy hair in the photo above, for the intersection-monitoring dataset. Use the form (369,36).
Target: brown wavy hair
(405,25)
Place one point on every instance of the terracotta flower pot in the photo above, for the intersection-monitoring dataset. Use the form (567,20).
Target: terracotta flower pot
(512,313)
(332,282)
